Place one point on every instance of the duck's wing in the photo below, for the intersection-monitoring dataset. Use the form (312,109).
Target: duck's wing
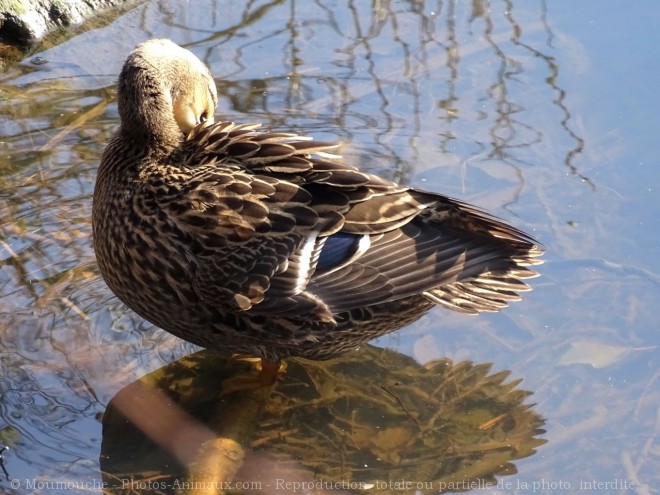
(465,260)
(240,231)
(256,211)
(285,230)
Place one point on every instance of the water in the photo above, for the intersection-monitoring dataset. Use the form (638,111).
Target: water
(541,112)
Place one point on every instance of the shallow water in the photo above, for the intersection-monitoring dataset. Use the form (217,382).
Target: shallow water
(542,113)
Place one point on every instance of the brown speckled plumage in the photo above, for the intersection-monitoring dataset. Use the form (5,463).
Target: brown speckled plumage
(264,243)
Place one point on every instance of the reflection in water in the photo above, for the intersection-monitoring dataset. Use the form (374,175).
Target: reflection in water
(398,98)
(510,132)
(2,462)
(368,418)
(428,91)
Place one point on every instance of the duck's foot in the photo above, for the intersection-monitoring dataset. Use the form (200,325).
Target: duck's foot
(267,372)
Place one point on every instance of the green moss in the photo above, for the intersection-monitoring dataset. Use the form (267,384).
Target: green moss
(16,7)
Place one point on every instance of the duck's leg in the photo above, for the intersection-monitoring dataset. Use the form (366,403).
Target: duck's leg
(267,374)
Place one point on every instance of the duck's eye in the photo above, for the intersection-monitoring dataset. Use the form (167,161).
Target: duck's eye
(203,118)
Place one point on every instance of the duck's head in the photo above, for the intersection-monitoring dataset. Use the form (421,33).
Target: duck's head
(164,91)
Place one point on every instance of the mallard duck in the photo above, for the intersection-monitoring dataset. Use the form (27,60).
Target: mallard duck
(267,243)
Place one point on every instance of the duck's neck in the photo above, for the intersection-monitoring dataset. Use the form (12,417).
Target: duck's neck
(145,109)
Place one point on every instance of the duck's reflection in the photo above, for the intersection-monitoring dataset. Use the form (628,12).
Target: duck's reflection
(371,419)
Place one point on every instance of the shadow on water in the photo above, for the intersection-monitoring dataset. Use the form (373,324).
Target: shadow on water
(463,98)
(355,423)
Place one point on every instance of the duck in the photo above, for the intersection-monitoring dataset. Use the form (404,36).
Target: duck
(267,244)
